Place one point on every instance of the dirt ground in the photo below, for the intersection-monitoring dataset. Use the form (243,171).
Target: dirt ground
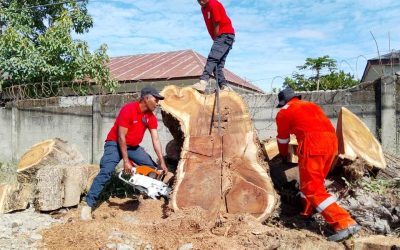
(147,224)
(137,223)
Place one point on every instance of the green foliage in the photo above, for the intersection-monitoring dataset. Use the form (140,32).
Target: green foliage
(37,44)
(332,79)
(380,186)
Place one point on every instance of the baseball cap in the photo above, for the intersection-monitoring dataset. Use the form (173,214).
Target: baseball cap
(151,91)
(285,96)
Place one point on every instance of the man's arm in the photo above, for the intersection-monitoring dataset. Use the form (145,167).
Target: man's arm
(283,137)
(158,149)
(122,131)
(216,30)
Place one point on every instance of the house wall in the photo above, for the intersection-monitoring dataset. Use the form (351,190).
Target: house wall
(377,71)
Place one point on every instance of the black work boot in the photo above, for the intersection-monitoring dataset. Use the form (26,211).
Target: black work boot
(345,233)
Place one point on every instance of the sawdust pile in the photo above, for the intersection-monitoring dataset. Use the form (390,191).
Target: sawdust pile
(149,224)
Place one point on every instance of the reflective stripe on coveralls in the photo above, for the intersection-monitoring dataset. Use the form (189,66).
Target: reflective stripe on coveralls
(326,203)
(283,141)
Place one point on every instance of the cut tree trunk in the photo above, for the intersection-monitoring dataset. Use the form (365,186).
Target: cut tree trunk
(356,140)
(220,172)
(271,150)
(50,175)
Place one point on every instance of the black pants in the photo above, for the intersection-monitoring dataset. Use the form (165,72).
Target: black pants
(217,57)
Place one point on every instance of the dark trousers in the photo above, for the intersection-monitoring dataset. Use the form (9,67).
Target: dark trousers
(217,57)
(111,157)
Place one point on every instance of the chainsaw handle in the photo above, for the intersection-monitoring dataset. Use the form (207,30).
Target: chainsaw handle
(120,176)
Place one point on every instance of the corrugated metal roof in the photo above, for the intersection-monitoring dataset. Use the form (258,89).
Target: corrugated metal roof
(391,55)
(167,65)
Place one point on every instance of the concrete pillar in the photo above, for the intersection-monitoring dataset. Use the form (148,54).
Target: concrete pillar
(15,123)
(388,115)
(96,130)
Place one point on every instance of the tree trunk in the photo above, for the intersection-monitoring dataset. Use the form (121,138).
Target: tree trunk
(219,172)
(50,175)
(356,140)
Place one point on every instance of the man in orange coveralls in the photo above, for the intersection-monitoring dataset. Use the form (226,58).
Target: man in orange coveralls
(317,150)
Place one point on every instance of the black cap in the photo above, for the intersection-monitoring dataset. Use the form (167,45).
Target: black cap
(151,91)
(285,96)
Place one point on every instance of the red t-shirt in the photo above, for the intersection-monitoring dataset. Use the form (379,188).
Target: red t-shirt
(214,12)
(132,118)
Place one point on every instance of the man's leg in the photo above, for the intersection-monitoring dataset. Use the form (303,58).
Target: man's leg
(228,39)
(139,156)
(109,161)
(217,52)
(312,176)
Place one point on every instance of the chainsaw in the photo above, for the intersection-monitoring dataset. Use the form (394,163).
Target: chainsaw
(147,181)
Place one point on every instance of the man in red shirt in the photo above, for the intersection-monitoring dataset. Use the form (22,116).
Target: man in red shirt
(220,28)
(123,143)
(317,150)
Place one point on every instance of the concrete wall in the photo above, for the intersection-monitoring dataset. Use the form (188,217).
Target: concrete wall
(5,135)
(360,100)
(85,121)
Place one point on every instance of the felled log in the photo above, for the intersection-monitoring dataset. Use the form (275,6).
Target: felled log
(392,169)
(270,149)
(44,175)
(50,189)
(356,140)
(62,185)
(14,196)
(220,172)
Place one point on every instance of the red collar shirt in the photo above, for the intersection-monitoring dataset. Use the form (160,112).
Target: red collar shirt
(132,118)
(214,12)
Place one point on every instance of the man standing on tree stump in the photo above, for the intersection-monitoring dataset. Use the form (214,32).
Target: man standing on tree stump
(222,33)
(123,143)
(317,150)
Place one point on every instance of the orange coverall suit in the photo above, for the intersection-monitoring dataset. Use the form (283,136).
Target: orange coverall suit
(317,150)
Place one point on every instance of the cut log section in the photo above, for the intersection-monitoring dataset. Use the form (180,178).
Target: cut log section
(271,150)
(14,197)
(356,140)
(50,175)
(218,172)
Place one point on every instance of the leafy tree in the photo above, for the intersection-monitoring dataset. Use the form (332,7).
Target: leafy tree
(36,44)
(333,79)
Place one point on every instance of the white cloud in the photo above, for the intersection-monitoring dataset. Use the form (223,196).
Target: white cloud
(273,37)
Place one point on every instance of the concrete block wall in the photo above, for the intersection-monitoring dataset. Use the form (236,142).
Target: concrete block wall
(85,121)
(5,135)
(33,121)
(360,100)
(398,115)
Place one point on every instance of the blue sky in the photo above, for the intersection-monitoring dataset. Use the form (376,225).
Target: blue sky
(272,36)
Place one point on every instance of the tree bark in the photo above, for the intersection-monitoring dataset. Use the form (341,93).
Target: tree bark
(50,175)
(220,172)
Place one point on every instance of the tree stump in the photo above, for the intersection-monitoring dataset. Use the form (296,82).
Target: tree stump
(219,172)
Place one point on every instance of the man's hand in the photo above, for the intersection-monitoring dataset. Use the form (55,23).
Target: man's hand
(128,167)
(164,167)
